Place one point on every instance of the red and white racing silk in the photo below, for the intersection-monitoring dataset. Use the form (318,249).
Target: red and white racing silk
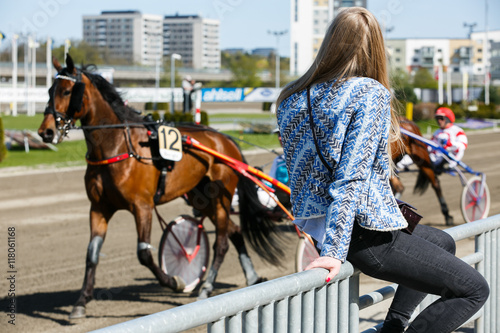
(453,139)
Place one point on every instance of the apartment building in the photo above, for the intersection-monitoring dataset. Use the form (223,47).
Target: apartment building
(128,35)
(195,38)
(308,23)
(481,40)
(145,39)
(457,55)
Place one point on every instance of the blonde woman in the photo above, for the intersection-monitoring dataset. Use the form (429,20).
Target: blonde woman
(336,123)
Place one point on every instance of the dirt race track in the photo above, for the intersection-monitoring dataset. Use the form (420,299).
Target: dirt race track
(49,211)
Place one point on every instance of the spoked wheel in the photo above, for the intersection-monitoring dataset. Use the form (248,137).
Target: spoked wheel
(184,251)
(475,205)
(306,253)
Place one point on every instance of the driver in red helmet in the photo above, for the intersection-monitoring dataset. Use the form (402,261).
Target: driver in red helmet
(450,137)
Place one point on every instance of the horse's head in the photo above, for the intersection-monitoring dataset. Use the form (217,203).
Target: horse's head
(66,102)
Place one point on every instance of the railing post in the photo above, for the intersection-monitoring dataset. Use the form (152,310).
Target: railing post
(496,286)
(354,303)
(480,247)
(343,317)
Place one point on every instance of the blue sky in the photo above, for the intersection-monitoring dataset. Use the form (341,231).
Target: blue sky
(245,23)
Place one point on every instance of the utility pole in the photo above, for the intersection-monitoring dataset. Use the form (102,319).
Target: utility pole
(277,34)
(48,51)
(486,57)
(14,74)
(173,57)
(440,77)
(465,88)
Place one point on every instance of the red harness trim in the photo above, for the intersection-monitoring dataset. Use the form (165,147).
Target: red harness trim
(111,160)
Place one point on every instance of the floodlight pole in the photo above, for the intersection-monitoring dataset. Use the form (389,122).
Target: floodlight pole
(277,34)
(486,58)
(14,74)
(173,57)
(470,68)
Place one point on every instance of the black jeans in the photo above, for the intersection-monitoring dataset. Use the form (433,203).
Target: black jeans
(422,263)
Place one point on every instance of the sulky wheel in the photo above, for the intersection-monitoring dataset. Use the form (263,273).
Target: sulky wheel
(184,251)
(475,205)
(306,253)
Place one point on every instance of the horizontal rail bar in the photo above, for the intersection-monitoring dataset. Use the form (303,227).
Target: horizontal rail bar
(377,296)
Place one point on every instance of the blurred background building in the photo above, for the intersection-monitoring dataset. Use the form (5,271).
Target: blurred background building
(458,56)
(308,22)
(128,35)
(145,39)
(195,38)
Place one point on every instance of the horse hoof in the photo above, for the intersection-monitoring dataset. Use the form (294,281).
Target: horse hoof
(179,284)
(449,220)
(203,295)
(259,280)
(78,312)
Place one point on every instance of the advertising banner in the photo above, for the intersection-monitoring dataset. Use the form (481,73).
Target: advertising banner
(144,95)
(239,94)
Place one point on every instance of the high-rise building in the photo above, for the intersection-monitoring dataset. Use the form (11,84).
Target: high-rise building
(308,23)
(128,35)
(195,38)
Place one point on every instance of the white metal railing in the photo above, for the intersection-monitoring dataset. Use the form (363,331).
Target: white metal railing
(301,302)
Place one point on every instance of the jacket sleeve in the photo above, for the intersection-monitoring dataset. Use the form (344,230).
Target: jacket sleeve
(369,125)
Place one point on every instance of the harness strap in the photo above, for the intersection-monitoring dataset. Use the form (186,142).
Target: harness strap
(66,77)
(160,189)
(111,160)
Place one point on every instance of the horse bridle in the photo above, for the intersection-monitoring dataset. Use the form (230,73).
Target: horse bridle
(75,103)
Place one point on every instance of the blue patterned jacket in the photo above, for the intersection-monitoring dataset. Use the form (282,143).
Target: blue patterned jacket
(352,122)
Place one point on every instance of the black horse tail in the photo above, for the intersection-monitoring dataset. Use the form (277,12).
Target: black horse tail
(256,224)
(422,183)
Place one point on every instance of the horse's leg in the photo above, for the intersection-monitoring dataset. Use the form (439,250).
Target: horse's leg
(143,218)
(98,227)
(221,246)
(397,187)
(429,172)
(225,231)
(237,239)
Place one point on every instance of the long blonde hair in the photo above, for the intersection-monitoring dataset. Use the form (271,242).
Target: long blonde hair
(353,46)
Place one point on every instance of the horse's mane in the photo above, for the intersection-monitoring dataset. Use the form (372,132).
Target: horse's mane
(110,95)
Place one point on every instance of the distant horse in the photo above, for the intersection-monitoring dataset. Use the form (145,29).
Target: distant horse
(122,175)
(420,156)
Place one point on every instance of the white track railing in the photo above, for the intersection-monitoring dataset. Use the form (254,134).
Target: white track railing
(301,302)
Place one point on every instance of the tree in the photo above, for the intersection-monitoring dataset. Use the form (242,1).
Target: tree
(403,89)
(244,69)
(494,95)
(81,52)
(423,79)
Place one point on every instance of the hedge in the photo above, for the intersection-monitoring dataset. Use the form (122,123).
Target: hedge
(484,112)
(180,117)
(149,106)
(3,149)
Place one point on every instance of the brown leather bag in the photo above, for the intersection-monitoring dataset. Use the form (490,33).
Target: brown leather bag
(410,215)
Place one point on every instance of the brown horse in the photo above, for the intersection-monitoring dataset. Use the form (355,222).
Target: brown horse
(420,156)
(122,174)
